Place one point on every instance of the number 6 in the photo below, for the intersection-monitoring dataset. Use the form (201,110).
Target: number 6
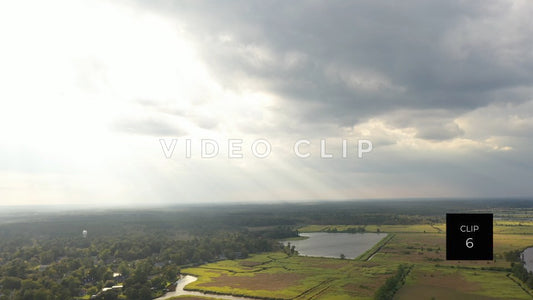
(469,243)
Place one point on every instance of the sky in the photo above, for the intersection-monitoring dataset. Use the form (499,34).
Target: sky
(93,92)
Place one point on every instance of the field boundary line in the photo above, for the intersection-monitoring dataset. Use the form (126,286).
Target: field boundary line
(372,251)
(314,289)
(519,284)
(436,228)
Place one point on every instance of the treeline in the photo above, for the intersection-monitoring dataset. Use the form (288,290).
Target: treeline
(513,256)
(393,284)
(520,272)
(144,263)
(517,267)
(358,229)
(196,221)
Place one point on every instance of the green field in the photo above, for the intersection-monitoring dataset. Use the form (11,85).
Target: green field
(45,256)
(193,298)
(278,276)
(427,282)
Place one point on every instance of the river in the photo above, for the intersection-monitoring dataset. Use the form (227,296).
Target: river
(185,280)
(318,244)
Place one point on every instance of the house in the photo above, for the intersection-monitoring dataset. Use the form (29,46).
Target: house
(115,287)
(118,277)
(160,264)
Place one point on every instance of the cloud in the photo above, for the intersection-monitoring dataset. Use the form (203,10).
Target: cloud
(147,127)
(500,120)
(358,59)
(442,89)
(440,132)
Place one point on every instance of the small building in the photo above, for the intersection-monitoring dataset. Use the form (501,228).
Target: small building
(115,287)
(118,277)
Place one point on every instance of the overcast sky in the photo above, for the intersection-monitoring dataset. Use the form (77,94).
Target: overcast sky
(442,89)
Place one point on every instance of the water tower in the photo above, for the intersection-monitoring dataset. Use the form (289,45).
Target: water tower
(84,233)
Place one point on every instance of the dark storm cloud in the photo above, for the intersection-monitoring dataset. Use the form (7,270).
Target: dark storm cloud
(354,59)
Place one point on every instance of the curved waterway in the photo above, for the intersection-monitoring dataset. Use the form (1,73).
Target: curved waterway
(185,280)
(318,244)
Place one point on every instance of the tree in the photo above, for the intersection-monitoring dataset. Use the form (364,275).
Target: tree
(170,273)
(109,283)
(29,284)
(47,257)
(124,269)
(138,292)
(109,295)
(11,283)
(72,284)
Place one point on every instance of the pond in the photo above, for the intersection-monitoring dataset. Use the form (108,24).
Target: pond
(325,244)
(527,257)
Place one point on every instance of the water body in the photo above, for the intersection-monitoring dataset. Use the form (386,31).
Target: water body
(325,244)
(527,257)
(180,291)
(322,244)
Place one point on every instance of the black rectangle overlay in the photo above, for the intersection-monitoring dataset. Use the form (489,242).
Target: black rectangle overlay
(469,237)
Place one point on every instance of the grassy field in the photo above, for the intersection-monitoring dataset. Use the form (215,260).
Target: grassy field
(193,298)
(278,276)
(500,226)
(427,282)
